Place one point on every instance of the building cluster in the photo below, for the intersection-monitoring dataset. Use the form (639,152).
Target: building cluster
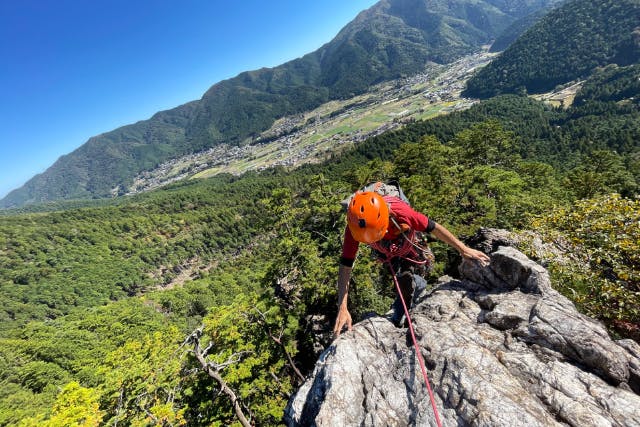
(286,143)
(186,166)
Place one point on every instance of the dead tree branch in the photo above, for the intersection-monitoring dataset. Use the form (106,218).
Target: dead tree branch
(213,370)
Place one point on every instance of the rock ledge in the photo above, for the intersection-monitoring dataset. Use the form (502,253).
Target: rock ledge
(502,348)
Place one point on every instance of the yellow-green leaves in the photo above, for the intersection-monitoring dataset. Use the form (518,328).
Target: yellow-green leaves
(603,237)
(142,380)
(75,406)
(248,343)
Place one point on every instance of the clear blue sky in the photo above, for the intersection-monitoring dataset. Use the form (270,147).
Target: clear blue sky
(72,69)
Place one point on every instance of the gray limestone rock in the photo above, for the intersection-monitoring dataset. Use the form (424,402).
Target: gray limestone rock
(501,347)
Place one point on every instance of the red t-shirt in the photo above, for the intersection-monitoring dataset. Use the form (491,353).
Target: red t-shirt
(403,214)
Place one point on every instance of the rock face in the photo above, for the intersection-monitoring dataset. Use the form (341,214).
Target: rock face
(501,347)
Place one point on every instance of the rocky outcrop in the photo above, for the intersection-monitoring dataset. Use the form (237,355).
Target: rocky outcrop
(502,348)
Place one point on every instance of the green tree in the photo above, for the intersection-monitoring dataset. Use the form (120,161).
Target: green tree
(601,172)
(601,269)
(142,381)
(246,347)
(75,406)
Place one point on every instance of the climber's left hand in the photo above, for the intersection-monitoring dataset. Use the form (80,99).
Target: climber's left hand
(474,254)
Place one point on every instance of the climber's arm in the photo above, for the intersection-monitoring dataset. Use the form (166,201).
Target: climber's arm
(442,234)
(344,318)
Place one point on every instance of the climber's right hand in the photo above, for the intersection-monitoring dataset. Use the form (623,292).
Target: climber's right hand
(343,319)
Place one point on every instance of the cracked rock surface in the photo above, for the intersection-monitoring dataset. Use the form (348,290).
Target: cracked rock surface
(501,347)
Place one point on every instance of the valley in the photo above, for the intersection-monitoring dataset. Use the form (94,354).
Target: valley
(142,310)
(329,129)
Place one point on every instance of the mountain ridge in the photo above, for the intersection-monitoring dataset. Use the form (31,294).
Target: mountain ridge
(555,50)
(334,126)
(379,44)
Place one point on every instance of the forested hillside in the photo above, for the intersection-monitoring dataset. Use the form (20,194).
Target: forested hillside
(516,29)
(394,38)
(106,308)
(567,44)
(211,299)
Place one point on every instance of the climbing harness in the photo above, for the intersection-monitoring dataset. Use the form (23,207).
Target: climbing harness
(401,251)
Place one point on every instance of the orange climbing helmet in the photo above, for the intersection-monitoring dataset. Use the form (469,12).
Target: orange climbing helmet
(368,216)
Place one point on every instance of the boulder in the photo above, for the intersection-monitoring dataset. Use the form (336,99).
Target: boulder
(502,348)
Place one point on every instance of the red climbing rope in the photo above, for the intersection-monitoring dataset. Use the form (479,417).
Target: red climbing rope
(415,344)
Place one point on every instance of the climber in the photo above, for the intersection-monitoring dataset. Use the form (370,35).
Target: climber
(390,226)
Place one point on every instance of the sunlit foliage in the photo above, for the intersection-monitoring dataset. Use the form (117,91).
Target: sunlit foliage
(602,274)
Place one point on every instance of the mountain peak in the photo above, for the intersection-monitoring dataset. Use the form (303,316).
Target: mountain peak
(392,39)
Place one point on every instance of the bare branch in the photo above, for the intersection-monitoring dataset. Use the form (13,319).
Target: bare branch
(206,350)
(213,371)
(232,360)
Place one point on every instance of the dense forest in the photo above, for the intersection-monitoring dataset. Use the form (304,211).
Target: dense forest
(110,308)
(207,301)
(566,44)
(516,29)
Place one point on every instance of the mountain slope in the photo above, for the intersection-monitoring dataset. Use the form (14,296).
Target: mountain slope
(567,44)
(229,236)
(516,29)
(391,39)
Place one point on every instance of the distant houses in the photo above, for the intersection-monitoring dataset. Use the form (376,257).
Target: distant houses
(287,144)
